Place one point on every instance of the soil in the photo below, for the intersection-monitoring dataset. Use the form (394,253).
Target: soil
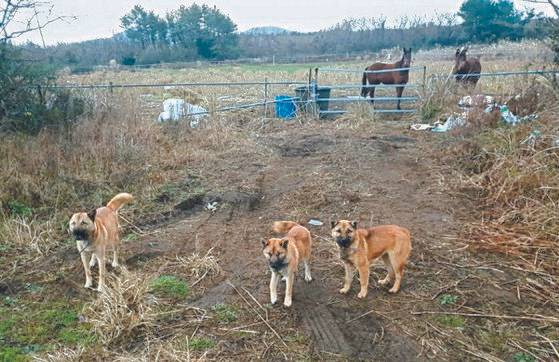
(324,174)
(384,175)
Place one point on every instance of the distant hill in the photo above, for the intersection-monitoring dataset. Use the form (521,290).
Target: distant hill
(266,30)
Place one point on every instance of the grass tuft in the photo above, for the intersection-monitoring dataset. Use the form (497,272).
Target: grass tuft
(169,286)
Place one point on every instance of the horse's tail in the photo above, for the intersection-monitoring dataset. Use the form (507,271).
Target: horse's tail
(364,83)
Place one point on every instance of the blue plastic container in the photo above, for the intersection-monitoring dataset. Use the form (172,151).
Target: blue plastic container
(285,107)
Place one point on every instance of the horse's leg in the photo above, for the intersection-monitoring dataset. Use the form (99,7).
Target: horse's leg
(399,90)
(372,94)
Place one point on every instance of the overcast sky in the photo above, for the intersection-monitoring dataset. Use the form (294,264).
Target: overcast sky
(101,18)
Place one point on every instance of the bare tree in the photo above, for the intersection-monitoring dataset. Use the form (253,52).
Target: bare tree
(19,17)
(553,3)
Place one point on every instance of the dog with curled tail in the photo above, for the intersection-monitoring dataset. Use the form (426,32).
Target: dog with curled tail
(95,232)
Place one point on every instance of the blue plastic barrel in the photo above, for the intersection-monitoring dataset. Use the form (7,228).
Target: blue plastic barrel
(285,107)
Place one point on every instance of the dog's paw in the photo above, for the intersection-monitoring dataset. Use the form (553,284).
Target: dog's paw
(100,289)
(393,290)
(308,278)
(87,285)
(273,300)
(287,303)
(384,281)
(92,262)
(115,265)
(344,290)
(362,295)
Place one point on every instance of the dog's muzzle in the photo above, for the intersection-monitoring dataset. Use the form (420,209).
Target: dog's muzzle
(343,242)
(277,264)
(82,235)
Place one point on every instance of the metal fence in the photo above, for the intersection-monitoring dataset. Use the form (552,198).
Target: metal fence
(313,102)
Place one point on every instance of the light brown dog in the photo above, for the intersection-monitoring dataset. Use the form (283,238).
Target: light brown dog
(284,254)
(359,247)
(94,232)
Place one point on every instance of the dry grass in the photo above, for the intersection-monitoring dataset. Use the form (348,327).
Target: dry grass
(514,171)
(125,310)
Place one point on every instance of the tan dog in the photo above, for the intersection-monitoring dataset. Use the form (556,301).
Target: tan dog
(95,231)
(359,247)
(284,254)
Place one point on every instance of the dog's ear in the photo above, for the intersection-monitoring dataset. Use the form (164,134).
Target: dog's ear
(333,224)
(264,243)
(284,243)
(354,224)
(92,214)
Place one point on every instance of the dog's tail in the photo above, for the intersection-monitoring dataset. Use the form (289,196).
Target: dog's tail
(283,226)
(119,200)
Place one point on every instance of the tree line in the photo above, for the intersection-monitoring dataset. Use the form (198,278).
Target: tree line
(202,32)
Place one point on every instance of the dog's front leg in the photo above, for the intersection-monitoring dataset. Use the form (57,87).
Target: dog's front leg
(347,278)
(88,281)
(289,288)
(100,254)
(274,287)
(363,280)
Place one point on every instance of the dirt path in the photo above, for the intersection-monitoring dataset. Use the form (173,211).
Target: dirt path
(375,177)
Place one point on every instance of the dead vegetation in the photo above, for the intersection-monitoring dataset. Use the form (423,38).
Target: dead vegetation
(451,294)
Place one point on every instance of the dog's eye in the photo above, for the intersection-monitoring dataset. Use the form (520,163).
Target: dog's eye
(337,230)
(83,222)
(349,230)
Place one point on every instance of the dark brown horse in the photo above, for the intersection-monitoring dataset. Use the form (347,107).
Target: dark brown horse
(465,70)
(397,77)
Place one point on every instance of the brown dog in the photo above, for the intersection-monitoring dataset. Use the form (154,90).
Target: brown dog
(359,247)
(284,254)
(95,231)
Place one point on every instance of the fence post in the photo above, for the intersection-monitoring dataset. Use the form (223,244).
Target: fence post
(265,97)
(315,92)
(424,77)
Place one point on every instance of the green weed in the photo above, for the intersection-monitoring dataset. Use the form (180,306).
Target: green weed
(201,344)
(225,313)
(169,286)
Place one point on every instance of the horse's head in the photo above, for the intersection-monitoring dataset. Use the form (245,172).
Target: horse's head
(406,58)
(460,59)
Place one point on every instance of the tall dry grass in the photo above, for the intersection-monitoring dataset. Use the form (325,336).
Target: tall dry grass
(514,173)
(120,147)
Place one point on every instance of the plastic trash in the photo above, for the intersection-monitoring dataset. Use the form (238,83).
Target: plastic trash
(421,127)
(531,139)
(315,222)
(508,117)
(176,108)
(211,206)
(478,99)
(453,121)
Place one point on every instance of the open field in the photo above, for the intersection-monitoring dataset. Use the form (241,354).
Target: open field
(482,282)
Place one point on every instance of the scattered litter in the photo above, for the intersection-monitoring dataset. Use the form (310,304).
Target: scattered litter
(508,117)
(457,120)
(421,126)
(478,99)
(212,206)
(315,222)
(531,139)
(176,108)
(453,121)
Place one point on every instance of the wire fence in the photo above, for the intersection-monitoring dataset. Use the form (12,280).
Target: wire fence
(313,100)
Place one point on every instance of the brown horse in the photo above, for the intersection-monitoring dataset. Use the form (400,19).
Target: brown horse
(465,70)
(397,77)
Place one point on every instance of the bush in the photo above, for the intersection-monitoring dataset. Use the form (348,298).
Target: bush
(25,104)
(130,60)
